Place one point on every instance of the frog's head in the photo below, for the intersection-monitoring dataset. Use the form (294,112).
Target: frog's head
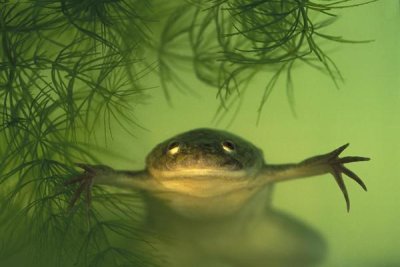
(204,153)
(205,163)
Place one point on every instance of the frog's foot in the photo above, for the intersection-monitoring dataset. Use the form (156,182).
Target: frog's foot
(337,168)
(85,181)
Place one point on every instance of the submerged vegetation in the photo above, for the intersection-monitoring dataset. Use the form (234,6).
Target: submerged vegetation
(230,42)
(70,72)
(66,68)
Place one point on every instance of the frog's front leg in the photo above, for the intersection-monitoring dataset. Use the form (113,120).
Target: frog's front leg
(317,165)
(104,175)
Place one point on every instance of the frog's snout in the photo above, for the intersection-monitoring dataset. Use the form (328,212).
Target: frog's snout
(205,155)
(177,147)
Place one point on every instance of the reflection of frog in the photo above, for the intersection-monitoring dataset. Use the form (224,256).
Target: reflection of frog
(207,192)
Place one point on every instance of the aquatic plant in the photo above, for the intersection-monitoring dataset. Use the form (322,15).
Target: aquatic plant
(70,72)
(231,41)
(66,67)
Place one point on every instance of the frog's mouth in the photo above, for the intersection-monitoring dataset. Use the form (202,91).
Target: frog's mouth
(194,173)
(201,164)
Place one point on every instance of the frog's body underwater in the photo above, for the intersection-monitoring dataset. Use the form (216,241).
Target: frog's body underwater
(207,193)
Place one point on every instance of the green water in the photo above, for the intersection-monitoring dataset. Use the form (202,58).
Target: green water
(364,112)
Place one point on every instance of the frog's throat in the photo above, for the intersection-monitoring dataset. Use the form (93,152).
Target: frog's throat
(198,173)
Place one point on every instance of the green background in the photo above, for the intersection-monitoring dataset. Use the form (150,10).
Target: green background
(364,112)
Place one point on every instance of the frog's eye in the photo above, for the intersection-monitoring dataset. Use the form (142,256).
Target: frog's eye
(173,148)
(228,146)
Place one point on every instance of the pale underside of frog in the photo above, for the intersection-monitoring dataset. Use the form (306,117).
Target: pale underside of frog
(208,191)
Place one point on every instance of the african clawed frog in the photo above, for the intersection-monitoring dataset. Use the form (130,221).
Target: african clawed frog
(209,191)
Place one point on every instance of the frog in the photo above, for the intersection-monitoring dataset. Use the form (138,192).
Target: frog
(209,191)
